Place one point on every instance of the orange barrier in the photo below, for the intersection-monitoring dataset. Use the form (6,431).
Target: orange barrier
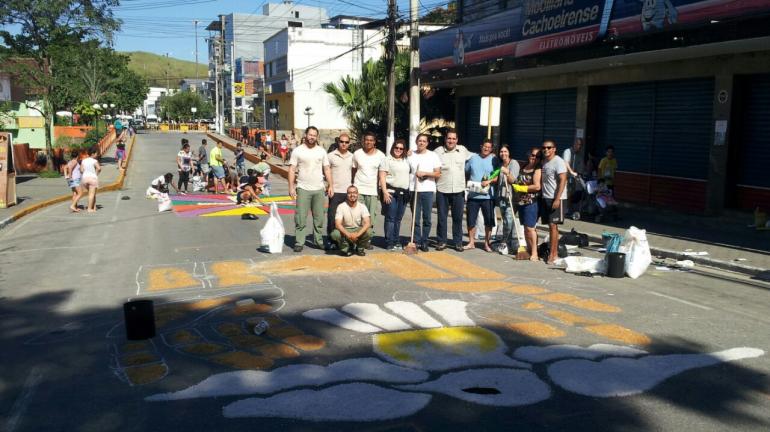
(71,131)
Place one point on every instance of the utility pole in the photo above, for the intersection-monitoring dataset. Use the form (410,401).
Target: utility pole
(195,22)
(220,61)
(232,82)
(390,64)
(414,75)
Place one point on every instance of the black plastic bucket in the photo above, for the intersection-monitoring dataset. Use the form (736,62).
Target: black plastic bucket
(616,264)
(140,319)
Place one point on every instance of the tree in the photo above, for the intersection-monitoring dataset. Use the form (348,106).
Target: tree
(440,15)
(178,106)
(44,26)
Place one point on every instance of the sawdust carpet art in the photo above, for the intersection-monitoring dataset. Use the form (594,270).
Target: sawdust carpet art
(210,205)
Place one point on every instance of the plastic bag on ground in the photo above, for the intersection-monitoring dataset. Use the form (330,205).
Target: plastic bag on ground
(164,202)
(582,264)
(271,235)
(637,250)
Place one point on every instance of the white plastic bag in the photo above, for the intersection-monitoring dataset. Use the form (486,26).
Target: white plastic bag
(582,264)
(271,235)
(164,202)
(637,250)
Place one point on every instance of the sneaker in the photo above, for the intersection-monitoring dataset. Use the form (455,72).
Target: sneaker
(348,253)
(424,248)
(459,247)
(298,247)
(440,246)
(370,247)
(360,252)
(390,248)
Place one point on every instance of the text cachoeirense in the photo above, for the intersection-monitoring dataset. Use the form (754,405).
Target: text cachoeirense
(564,19)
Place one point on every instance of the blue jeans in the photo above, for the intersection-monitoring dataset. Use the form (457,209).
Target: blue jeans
(423,210)
(394,212)
(446,202)
(509,232)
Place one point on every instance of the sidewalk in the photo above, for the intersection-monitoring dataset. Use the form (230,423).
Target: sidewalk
(34,192)
(728,242)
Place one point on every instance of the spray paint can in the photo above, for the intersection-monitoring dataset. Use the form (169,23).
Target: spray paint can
(261,327)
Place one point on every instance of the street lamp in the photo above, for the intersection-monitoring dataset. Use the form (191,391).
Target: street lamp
(193,110)
(98,108)
(274,113)
(308,113)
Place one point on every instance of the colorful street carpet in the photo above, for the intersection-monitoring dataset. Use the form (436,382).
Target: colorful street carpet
(209,205)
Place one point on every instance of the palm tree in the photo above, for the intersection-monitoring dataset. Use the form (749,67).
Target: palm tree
(363,100)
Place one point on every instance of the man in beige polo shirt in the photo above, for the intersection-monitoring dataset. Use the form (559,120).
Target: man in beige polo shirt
(341,165)
(311,162)
(450,190)
(352,222)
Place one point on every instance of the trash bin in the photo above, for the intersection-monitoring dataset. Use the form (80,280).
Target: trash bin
(616,264)
(139,319)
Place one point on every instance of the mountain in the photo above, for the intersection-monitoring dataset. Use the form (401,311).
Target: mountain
(160,70)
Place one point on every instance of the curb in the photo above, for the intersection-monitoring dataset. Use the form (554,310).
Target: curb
(116,185)
(275,169)
(667,253)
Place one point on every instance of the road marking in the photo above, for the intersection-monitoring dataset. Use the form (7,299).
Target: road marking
(20,405)
(680,300)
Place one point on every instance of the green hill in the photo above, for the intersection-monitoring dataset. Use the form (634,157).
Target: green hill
(160,69)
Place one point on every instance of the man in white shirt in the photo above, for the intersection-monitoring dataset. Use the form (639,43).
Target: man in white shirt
(553,182)
(341,166)
(427,168)
(311,162)
(450,190)
(352,222)
(366,165)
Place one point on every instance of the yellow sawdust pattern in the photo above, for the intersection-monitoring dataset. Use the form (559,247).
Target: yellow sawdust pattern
(578,302)
(278,351)
(170,278)
(504,317)
(203,348)
(135,346)
(237,212)
(135,359)
(229,329)
(256,308)
(242,360)
(570,318)
(459,266)
(408,268)
(207,304)
(526,289)
(470,287)
(536,330)
(273,320)
(183,337)
(139,375)
(304,265)
(233,273)
(248,341)
(619,333)
(306,342)
(283,332)
(532,306)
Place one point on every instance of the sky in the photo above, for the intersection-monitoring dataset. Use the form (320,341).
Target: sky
(166,26)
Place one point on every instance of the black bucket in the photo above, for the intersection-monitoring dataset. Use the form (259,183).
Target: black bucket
(140,319)
(616,264)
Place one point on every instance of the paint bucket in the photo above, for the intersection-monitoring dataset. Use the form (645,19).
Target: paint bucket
(139,318)
(616,264)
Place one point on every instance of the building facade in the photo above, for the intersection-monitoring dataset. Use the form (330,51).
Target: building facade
(680,88)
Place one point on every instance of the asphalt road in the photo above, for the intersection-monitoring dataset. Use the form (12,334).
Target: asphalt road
(434,342)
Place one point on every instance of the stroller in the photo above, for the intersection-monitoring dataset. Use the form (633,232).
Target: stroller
(596,200)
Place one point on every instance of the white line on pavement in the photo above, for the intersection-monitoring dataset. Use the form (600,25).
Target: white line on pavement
(680,300)
(17,410)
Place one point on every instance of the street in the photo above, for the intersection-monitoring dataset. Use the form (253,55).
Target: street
(436,341)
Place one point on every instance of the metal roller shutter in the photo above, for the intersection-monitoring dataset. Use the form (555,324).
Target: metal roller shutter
(754,157)
(560,111)
(535,116)
(473,132)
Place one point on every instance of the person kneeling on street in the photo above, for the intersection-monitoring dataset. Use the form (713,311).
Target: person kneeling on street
(249,188)
(160,186)
(352,222)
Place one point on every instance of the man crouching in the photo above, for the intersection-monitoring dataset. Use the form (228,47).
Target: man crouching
(352,222)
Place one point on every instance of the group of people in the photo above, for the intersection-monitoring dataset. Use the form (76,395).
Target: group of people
(82,175)
(363,184)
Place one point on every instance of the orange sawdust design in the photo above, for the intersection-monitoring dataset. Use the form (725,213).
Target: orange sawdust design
(205,348)
(278,351)
(242,360)
(284,332)
(135,346)
(536,330)
(573,300)
(532,306)
(619,333)
(306,342)
(459,266)
(145,374)
(255,308)
(250,342)
(526,289)
(207,304)
(312,265)
(408,268)
(570,318)
(182,337)
(503,317)
(233,273)
(469,287)
(229,329)
(170,278)
(139,358)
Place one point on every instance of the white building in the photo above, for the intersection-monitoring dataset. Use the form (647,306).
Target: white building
(149,106)
(299,61)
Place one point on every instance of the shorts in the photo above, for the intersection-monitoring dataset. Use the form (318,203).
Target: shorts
(218,172)
(89,182)
(204,168)
(184,176)
(551,216)
(487,207)
(283,151)
(120,154)
(73,183)
(528,214)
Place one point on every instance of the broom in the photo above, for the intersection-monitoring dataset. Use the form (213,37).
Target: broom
(411,248)
(521,253)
